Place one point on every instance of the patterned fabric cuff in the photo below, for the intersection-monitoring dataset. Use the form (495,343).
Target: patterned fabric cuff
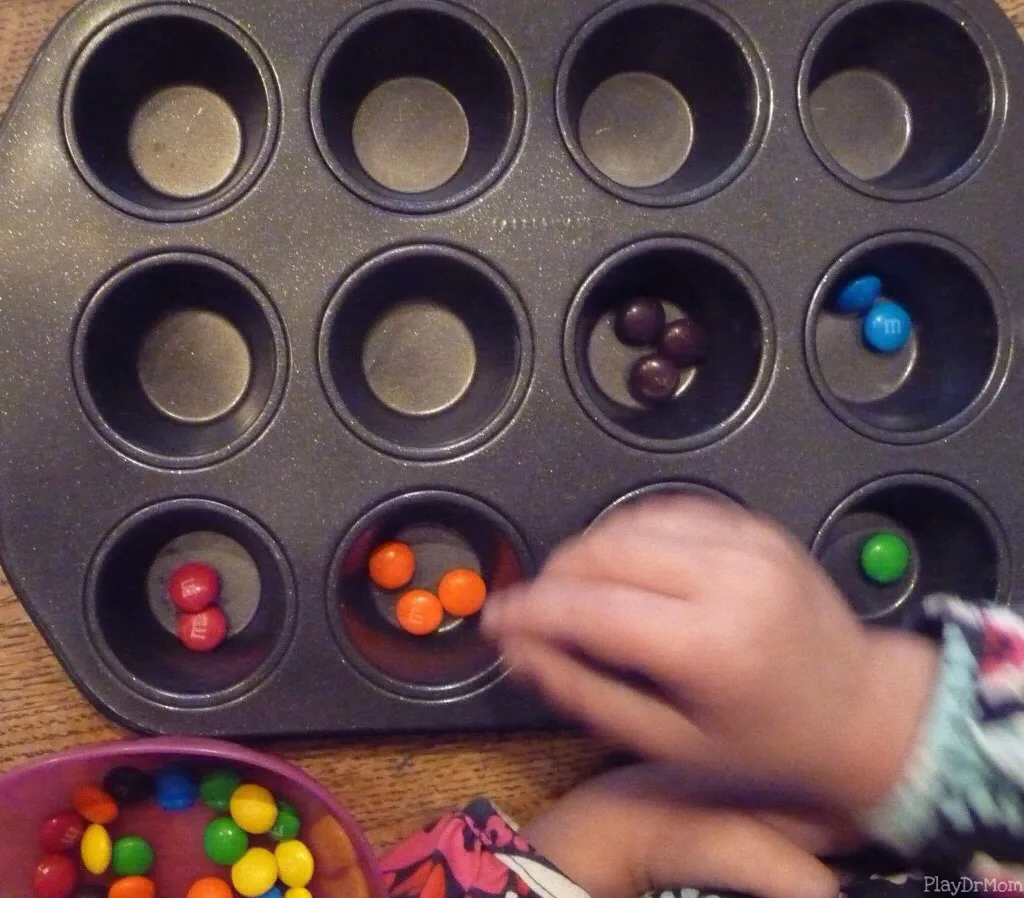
(957,796)
(475,852)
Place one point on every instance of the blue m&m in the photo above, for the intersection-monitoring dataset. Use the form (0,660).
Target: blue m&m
(887,327)
(859,295)
(176,789)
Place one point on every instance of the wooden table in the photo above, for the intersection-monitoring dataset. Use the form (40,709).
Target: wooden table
(391,785)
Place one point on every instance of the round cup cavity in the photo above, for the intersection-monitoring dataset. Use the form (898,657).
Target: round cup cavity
(661,103)
(901,99)
(956,544)
(663,489)
(417,105)
(171,112)
(425,351)
(715,396)
(180,360)
(445,530)
(954,362)
(135,641)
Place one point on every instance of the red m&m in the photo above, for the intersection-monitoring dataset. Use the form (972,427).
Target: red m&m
(61,832)
(203,631)
(56,877)
(193,587)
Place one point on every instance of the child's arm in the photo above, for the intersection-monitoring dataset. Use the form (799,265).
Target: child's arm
(700,634)
(617,836)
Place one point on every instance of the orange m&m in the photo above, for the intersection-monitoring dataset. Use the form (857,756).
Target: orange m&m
(209,887)
(419,612)
(462,592)
(392,565)
(133,887)
(94,804)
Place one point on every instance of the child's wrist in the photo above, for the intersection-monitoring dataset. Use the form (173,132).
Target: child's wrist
(897,690)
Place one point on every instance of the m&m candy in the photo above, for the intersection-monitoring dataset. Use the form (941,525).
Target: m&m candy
(96,849)
(193,586)
(128,785)
(462,592)
(132,887)
(294,864)
(887,327)
(255,873)
(684,342)
(89,891)
(55,877)
(61,832)
(287,824)
(224,841)
(298,893)
(209,887)
(419,612)
(640,322)
(859,294)
(94,804)
(132,856)
(392,565)
(217,787)
(253,808)
(176,789)
(203,631)
(885,558)
(653,380)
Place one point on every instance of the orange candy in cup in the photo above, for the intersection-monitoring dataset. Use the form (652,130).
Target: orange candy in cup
(462,592)
(392,565)
(419,612)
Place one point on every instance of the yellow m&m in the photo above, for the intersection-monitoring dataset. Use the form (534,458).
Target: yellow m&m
(298,893)
(253,808)
(96,849)
(255,873)
(294,863)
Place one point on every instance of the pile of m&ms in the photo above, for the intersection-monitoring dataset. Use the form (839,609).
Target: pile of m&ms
(281,868)
(886,325)
(460,592)
(655,378)
(194,589)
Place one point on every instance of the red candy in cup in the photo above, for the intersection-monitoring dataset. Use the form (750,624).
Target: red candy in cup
(193,586)
(203,631)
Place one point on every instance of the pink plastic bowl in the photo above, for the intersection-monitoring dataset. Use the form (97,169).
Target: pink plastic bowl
(345,864)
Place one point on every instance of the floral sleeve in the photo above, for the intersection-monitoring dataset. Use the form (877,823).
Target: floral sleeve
(476,852)
(960,805)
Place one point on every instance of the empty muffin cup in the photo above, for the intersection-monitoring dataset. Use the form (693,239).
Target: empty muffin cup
(714,396)
(171,112)
(954,360)
(955,546)
(425,351)
(134,639)
(417,105)
(665,489)
(180,360)
(901,100)
(661,103)
(445,531)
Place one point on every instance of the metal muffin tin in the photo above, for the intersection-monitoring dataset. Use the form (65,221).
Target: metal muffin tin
(279,280)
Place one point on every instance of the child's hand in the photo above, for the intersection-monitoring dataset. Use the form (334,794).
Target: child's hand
(628,832)
(698,633)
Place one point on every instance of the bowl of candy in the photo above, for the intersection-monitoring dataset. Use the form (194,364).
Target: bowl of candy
(178,818)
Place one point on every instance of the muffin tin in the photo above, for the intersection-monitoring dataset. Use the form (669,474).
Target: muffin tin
(281,280)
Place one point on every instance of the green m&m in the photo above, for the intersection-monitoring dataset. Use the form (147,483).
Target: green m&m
(286,826)
(132,856)
(885,558)
(217,788)
(224,841)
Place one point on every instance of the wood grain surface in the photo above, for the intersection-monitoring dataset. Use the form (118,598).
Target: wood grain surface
(391,786)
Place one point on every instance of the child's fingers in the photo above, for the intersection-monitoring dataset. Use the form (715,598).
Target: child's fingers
(616,710)
(724,849)
(623,627)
